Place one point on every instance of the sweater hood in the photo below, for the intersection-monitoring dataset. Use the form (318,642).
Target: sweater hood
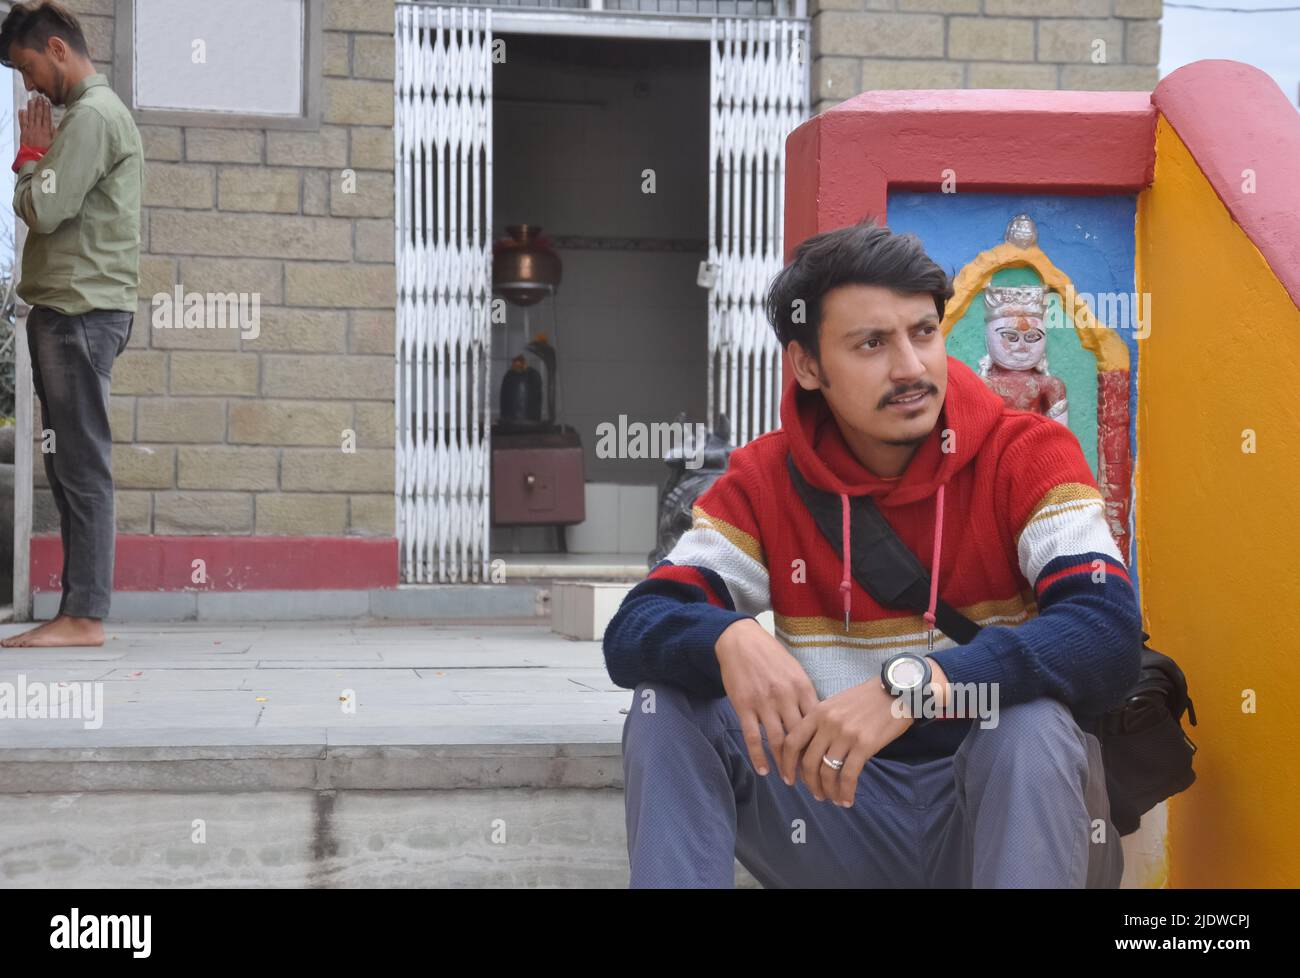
(970,409)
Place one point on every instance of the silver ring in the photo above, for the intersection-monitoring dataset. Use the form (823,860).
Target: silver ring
(835,764)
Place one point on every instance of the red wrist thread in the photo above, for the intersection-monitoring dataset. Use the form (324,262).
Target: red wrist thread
(26,154)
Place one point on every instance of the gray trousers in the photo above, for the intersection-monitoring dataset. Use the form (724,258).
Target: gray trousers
(72,363)
(1013,807)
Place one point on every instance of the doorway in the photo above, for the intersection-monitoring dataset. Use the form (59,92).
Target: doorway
(651,151)
(603,143)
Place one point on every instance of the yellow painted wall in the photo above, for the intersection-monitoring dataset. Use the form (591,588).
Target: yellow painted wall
(1218,529)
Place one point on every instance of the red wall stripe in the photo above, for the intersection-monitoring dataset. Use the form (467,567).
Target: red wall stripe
(166,563)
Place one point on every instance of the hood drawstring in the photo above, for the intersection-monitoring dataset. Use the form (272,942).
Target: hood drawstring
(846,581)
(934,562)
(846,578)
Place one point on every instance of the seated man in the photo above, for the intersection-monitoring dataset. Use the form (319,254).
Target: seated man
(990,500)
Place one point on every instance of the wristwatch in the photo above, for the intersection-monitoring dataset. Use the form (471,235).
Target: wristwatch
(907,676)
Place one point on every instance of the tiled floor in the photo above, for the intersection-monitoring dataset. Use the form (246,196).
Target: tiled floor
(323,683)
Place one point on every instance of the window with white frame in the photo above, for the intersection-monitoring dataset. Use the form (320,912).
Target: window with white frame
(220,63)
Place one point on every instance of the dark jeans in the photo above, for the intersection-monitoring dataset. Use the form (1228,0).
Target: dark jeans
(72,363)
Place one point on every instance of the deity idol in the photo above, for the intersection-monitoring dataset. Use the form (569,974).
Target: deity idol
(1016,365)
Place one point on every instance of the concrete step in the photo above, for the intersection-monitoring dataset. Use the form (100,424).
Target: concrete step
(324,754)
(529,597)
(310,815)
(286,815)
(582,609)
(414,602)
(228,756)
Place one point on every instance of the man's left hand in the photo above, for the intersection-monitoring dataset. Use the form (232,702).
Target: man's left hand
(852,725)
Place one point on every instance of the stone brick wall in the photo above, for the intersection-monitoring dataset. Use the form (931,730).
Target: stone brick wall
(216,433)
(860,45)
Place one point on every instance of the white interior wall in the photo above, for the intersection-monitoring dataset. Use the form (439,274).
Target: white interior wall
(576,122)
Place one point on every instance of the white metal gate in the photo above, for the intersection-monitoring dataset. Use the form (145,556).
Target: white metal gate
(758,94)
(443,143)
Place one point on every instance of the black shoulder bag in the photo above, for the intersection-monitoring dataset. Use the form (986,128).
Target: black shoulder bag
(1146,754)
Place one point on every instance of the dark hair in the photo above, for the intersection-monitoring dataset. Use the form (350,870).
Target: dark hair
(31,25)
(864,254)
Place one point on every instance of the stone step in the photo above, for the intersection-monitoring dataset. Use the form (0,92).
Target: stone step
(582,609)
(313,753)
(286,815)
(415,602)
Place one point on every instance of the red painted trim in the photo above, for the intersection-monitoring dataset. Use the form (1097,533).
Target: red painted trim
(1233,117)
(1115,461)
(842,164)
(165,563)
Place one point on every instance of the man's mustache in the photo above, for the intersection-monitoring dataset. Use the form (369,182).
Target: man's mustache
(927,389)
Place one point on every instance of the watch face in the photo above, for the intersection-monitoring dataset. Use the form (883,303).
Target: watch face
(906,673)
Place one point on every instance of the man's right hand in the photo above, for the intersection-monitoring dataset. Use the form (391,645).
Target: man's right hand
(766,685)
(36,123)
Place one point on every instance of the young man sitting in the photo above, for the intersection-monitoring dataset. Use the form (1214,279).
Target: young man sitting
(789,752)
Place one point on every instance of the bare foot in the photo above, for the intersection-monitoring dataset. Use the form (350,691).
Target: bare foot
(63,632)
(14,641)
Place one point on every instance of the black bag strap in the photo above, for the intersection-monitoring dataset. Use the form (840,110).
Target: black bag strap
(881,562)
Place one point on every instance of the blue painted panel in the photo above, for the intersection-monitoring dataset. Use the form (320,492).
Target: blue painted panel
(1091,239)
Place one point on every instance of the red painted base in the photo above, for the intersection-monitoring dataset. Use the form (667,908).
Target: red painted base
(1115,461)
(169,563)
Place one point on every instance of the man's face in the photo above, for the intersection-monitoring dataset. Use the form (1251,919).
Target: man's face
(42,71)
(877,345)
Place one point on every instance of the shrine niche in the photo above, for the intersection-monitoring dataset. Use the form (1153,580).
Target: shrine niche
(1016,320)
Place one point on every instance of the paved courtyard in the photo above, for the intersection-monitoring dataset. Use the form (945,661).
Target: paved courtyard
(327,684)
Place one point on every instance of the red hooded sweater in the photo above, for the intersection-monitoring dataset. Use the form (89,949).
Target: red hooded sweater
(1025,551)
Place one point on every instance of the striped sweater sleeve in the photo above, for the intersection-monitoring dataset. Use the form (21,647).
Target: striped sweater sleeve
(1084,646)
(667,626)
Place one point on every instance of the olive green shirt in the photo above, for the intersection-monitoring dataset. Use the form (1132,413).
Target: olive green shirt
(81,204)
